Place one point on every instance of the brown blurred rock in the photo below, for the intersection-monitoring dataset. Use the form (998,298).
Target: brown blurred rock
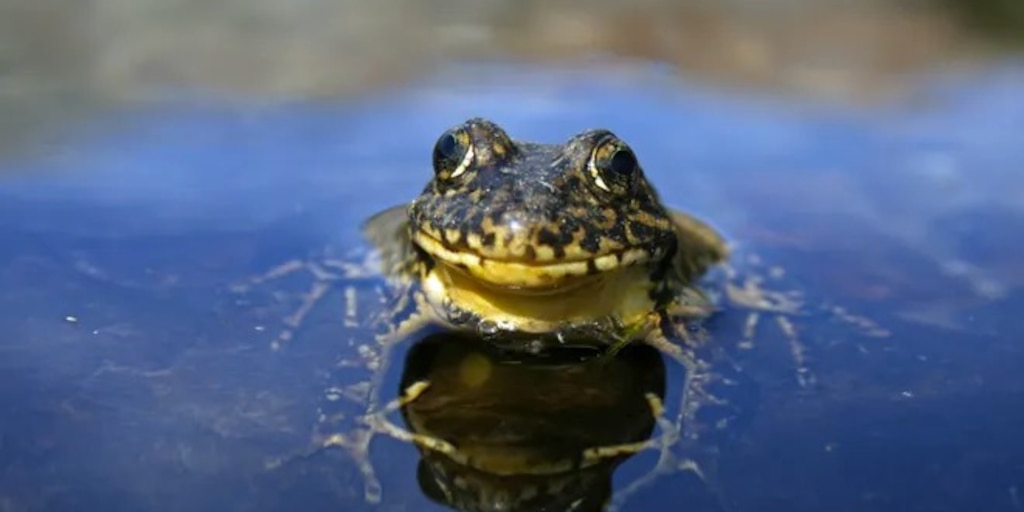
(61,58)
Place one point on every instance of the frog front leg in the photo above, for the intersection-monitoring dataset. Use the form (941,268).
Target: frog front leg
(671,336)
(669,331)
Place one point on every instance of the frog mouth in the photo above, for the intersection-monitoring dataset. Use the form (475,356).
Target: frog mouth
(511,273)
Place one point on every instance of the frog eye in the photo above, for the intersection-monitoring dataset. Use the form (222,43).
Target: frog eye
(613,168)
(623,162)
(453,154)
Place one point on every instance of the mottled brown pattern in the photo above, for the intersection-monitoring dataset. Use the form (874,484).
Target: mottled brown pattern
(522,201)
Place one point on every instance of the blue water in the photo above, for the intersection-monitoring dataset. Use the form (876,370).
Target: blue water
(130,379)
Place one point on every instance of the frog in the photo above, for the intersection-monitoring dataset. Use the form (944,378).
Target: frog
(537,247)
(534,247)
(563,243)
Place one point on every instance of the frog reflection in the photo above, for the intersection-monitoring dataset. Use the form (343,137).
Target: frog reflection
(513,431)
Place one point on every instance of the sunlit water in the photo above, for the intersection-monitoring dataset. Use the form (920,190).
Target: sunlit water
(132,379)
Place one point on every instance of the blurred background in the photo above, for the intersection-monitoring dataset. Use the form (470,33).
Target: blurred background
(61,61)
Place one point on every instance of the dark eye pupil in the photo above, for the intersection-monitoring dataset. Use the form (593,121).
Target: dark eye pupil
(447,147)
(622,162)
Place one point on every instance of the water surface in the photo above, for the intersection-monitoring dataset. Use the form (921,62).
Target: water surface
(132,379)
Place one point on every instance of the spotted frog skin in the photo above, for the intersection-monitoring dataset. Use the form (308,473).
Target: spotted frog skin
(522,238)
